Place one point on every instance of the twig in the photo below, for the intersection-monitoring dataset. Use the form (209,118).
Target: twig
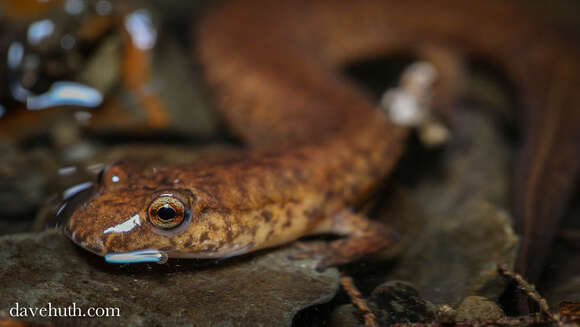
(358,301)
(530,290)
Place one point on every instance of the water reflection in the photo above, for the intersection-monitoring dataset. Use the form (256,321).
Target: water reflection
(61,93)
(67,42)
(82,117)
(41,83)
(74,7)
(65,93)
(39,31)
(15,54)
(140,26)
(103,7)
(67,170)
(18,92)
(96,168)
(73,190)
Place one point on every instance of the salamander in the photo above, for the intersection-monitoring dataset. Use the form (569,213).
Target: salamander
(318,144)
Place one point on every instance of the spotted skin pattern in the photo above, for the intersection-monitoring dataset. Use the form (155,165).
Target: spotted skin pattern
(317,143)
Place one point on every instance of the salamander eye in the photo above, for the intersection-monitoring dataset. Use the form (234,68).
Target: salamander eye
(167,212)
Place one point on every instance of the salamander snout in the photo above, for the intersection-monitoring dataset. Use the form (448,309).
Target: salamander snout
(113,222)
(133,216)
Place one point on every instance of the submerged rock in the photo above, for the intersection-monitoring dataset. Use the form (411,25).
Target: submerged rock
(24,177)
(461,258)
(566,285)
(455,220)
(478,308)
(561,278)
(399,302)
(346,315)
(391,302)
(265,289)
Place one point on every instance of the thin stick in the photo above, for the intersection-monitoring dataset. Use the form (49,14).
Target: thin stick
(358,301)
(530,290)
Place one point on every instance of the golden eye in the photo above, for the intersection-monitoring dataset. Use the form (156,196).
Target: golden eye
(167,212)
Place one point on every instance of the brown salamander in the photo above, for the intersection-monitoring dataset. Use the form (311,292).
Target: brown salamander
(318,142)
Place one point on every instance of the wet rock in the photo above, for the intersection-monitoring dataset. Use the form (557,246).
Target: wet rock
(565,290)
(561,278)
(23,180)
(446,314)
(180,92)
(455,219)
(478,308)
(391,302)
(346,315)
(102,69)
(461,258)
(569,308)
(399,302)
(179,12)
(265,289)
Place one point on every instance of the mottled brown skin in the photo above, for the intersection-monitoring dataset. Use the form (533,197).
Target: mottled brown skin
(319,144)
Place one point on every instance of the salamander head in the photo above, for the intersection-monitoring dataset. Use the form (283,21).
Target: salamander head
(128,220)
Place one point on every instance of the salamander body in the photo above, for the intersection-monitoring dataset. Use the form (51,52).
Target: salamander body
(318,143)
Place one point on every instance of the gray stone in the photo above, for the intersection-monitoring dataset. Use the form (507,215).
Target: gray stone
(102,70)
(180,92)
(455,221)
(561,282)
(391,302)
(565,285)
(399,302)
(264,289)
(346,315)
(446,314)
(23,180)
(478,308)
(461,258)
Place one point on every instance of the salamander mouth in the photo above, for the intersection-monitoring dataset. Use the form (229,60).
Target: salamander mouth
(72,236)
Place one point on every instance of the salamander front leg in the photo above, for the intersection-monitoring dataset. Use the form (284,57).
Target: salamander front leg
(362,237)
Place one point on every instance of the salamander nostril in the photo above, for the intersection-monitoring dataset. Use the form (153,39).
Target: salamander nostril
(166,212)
